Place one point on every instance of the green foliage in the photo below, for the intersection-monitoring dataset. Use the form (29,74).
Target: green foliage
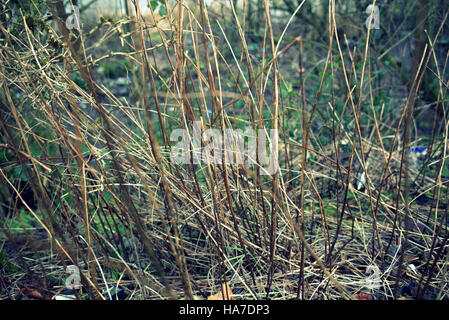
(21,223)
(76,77)
(115,68)
(158,6)
(287,90)
(6,265)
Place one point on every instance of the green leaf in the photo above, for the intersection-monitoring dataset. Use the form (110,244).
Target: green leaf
(153,4)
(162,11)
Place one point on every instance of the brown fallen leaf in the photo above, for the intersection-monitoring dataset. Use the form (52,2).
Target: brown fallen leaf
(363,296)
(402,298)
(224,294)
(289,286)
(31,293)
(409,258)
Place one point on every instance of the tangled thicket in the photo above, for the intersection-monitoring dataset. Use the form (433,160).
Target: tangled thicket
(87,178)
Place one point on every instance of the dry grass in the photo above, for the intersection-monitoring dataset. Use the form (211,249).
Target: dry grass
(108,198)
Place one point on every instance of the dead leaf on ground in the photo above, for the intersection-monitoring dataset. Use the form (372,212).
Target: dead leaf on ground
(409,258)
(363,296)
(288,285)
(402,298)
(224,294)
(31,293)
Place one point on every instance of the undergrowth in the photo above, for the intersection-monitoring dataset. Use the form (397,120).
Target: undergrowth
(87,177)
